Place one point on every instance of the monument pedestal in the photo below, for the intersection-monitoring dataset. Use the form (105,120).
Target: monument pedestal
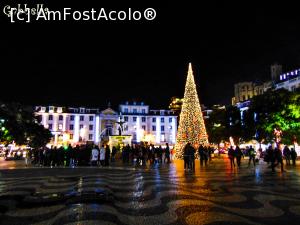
(119,140)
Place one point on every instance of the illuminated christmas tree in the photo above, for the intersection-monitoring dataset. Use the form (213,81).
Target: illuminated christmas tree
(191,124)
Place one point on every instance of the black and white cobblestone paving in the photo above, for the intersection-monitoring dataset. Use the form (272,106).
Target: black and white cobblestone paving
(214,195)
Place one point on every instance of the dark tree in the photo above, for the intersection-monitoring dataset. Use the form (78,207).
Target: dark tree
(224,123)
(19,124)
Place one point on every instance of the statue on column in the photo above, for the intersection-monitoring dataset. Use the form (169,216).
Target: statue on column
(120,128)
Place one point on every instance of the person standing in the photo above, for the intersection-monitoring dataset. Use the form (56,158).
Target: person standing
(251,153)
(102,155)
(107,155)
(94,156)
(201,154)
(113,153)
(279,158)
(268,154)
(238,154)
(167,153)
(27,157)
(287,155)
(231,156)
(186,156)
(293,156)
(206,155)
(192,157)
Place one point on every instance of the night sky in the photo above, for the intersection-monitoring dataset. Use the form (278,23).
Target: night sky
(93,63)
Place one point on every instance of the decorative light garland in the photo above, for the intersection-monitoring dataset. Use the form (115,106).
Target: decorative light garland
(191,124)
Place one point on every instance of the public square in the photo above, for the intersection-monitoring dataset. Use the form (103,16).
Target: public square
(164,194)
(132,114)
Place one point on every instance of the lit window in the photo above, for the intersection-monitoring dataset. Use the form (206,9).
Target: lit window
(71,136)
(60,126)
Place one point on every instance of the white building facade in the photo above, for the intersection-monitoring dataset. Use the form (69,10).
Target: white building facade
(85,125)
(289,80)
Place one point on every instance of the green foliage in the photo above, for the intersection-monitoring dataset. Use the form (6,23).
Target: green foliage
(274,109)
(22,126)
(278,109)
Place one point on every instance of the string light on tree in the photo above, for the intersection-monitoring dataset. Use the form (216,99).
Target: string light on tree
(191,124)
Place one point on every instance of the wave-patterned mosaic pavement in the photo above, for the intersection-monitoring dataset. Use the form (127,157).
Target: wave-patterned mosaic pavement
(152,196)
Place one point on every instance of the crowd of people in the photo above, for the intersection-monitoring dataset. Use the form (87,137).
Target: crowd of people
(190,153)
(272,155)
(142,154)
(84,155)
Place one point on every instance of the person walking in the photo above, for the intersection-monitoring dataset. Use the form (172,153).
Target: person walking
(231,156)
(251,153)
(277,159)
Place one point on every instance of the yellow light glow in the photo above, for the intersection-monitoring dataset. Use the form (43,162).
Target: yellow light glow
(191,124)
(66,138)
(150,138)
(231,141)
